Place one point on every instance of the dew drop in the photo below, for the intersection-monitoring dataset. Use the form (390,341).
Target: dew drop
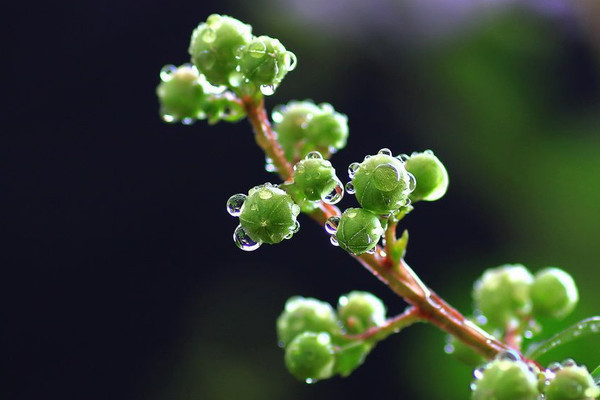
(335,195)
(350,188)
(352,168)
(267,90)
(332,224)
(235,203)
(412,182)
(269,166)
(509,355)
(385,152)
(188,121)
(295,211)
(313,155)
(448,349)
(386,177)
(235,79)
(310,381)
(209,35)
(168,118)
(569,362)
(473,386)
(206,59)
(554,367)
(371,251)
(367,157)
(290,61)
(478,372)
(296,227)
(334,240)
(265,194)
(403,157)
(257,49)
(277,116)
(243,241)
(166,73)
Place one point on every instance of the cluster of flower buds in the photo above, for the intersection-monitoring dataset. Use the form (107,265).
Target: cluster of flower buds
(225,51)
(315,336)
(509,377)
(303,126)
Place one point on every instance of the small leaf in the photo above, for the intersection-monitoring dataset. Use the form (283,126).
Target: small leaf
(596,375)
(581,329)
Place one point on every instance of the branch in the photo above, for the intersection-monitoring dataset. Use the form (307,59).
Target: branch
(399,278)
(393,325)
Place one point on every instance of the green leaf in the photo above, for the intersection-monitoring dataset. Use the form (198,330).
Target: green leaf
(579,330)
(596,374)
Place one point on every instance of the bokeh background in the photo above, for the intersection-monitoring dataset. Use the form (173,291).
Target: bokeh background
(121,278)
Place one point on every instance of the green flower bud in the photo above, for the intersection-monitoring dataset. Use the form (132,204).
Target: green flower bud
(358,231)
(553,293)
(180,93)
(316,177)
(572,383)
(381,183)
(505,380)
(327,129)
(267,214)
(305,314)
(290,122)
(310,357)
(360,311)
(431,176)
(265,61)
(502,293)
(351,356)
(214,46)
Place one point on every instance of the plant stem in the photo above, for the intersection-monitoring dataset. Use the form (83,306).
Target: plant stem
(393,325)
(400,278)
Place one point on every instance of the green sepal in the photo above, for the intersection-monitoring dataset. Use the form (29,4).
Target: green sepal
(430,174)
(382,184)
(180,93)
(553,293)
(572,383)
(290,121)
(316,177)
(215,44)
(327,128)
(358,231)
(306,314)
(269,214)
(502,294)
(506,380)
(359,311)
(310,357)
(265,61)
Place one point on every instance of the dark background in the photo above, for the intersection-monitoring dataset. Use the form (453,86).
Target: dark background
(122,280)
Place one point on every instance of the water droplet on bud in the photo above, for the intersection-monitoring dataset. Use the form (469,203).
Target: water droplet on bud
(313,155)
(188,121)
(166,73)
(267,90)
(385,152)
(243,241)
(290,61)
(235,203)
(332,224)
(333,240)
(352,168)
(209,35)
(335,195)
(350,188)
(412,182)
